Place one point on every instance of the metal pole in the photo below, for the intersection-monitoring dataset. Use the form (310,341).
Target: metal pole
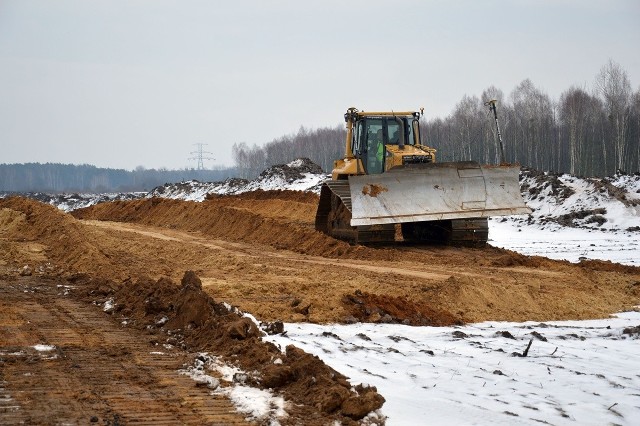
(492,107)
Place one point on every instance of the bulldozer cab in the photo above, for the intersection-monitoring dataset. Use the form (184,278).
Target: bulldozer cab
(372,134)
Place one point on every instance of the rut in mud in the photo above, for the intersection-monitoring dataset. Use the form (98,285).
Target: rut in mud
(63,361)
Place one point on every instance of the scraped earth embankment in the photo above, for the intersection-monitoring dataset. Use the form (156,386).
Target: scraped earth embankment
(259,251)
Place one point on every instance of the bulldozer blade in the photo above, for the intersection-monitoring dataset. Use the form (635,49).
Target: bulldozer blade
(436,191)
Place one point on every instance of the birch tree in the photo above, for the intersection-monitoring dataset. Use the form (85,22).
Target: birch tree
(614,87)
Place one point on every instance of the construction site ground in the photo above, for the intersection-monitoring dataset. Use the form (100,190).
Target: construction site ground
(257,251)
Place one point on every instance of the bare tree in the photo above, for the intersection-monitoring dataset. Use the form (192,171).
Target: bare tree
(634,134)
(240,158)
(613,85)
(572,115)
(534,123)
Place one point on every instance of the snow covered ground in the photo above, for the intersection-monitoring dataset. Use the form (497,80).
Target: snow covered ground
(575,372)
(562,243)
(574,219)
(611,203)
(298,175)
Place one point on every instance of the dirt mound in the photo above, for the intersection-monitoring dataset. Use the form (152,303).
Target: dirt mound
(301,175)
(232,218)
(281,194)
(367,307)
(186,316)
(68,202)
(620,194)
(283,220)
(543,181)
(606,265)
(292,171)
(562,200)
(65,241)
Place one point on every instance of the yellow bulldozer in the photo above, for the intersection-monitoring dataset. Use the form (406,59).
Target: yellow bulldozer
(390,183)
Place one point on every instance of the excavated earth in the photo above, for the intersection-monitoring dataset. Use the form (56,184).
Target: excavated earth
(164,267)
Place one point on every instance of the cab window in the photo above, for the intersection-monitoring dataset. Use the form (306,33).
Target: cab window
(393,129)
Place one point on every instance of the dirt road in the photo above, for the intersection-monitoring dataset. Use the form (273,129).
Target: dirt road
(64,362)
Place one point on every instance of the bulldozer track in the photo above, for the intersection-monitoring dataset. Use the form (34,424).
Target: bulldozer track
(334,215)
(90,370)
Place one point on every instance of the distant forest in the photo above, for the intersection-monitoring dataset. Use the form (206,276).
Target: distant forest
(57,178)
(587,132)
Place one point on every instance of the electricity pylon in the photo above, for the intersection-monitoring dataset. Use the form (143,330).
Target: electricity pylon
(200,155)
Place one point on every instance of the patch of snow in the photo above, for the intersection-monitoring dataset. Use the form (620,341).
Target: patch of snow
(259,405)
(108,306)
(231,309)
(296,163)
(584,372)
(198,376)
(251,317)
(44,348)
(17,353)
(66,289)
(562,243)
(611,203)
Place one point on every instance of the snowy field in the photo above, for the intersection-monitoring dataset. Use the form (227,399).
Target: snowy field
(575,372)
(561,243)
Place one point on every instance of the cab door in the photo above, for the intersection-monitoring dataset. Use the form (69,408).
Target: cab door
(369,144)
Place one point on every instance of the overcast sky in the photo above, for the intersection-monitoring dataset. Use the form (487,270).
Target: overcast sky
(124,83)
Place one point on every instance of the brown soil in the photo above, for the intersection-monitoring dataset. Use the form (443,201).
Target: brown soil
(187,317)
(97,372)
(366,307)
(260,252)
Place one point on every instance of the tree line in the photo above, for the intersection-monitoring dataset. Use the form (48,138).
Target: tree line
(322,146)
(55,177)
(589,131)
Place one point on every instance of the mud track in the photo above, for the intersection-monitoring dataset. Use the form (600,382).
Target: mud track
(91,370)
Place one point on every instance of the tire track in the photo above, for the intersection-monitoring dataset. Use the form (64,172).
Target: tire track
(94,372)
